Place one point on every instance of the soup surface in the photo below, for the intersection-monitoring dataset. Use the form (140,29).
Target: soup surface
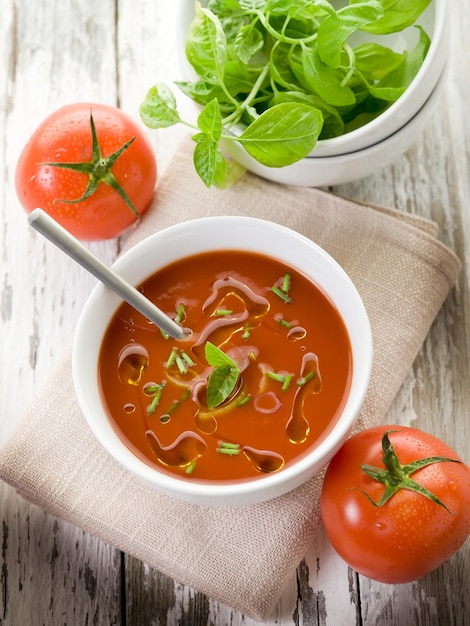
(259,380)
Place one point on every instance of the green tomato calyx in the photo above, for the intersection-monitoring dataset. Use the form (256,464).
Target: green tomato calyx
(99,170)
(397,476)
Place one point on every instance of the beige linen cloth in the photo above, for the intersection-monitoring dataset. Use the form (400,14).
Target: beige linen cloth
(243,557)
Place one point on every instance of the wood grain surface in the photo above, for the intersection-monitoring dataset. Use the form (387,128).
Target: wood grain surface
(54,52)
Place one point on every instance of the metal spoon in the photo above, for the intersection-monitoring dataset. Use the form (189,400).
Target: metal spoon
(52,230)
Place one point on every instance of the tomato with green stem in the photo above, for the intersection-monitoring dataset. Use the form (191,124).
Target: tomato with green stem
(91,168)
(395,503)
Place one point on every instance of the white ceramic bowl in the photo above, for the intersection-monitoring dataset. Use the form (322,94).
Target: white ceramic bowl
(343,168)
(211,234)
(436,22)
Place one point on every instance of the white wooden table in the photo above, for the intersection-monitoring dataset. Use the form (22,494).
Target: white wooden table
(54,52)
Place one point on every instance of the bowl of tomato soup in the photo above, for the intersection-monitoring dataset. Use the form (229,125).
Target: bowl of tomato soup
(267,381)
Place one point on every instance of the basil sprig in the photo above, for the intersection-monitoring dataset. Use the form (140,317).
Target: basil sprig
(223,378)
(286,72)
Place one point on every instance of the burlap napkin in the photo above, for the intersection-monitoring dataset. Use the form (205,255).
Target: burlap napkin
(245,556)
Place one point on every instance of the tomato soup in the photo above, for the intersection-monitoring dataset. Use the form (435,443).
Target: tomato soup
(260,378)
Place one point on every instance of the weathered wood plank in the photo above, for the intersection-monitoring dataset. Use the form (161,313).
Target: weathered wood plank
(54,53)
(54,573)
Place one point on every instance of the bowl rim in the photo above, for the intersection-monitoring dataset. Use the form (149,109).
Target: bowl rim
(82,360)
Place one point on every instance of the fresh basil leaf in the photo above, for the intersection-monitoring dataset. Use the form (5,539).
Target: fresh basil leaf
(239,78)
(203,93)
(335,29)
(280,68)
(199,91)
(324,80)
(206,46)
(224,377)
(283,134)
(364,118)
(158,110)
(375,61)
(248,42)
(366,109)
(333,124)
(228,173)
(210,120)
(207,158)
(398,14)
(250,5)
(299,8)
(221,178)
(220,385)
(215,356)
(400,78)
(224,7)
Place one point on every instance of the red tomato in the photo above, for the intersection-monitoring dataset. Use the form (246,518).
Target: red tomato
(409,535)
(66,137)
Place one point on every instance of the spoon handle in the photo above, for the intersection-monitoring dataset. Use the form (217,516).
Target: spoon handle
(52,230)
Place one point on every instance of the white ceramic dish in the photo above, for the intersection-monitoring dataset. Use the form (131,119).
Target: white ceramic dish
(436,22)
(337,170)
(212,234)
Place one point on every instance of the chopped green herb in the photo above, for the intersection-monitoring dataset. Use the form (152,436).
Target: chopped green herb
(180,314)
(225,447)
(223,312)
(284,323)
(181,359)
(185,356)
(284,296)
(190,468)
(158,390)
(244,400)
(227,444)
(287,382)
(285,379)
(171,358)
(176,404)
(152,389)
(286,283)
(304,380)
(246,332)
(279,377)
(180,364)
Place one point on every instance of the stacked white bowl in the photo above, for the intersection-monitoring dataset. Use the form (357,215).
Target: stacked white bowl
(363,151)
